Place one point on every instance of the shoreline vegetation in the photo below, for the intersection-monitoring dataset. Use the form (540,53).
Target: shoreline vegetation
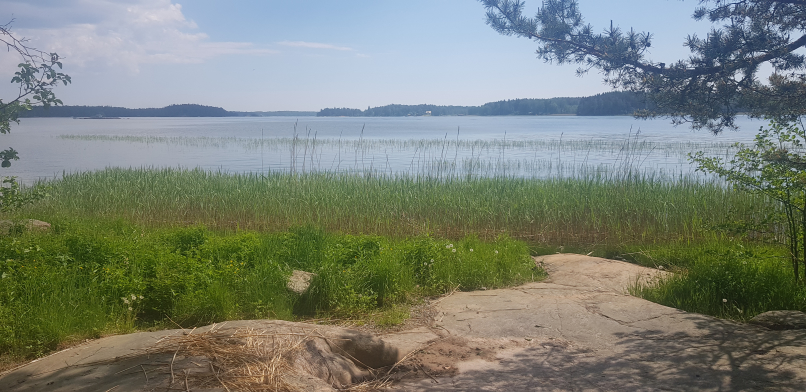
(614,103)
(139,249)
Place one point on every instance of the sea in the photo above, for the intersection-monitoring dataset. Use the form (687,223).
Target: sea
(449,147)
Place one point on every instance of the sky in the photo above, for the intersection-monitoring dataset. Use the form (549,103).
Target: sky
(267,55)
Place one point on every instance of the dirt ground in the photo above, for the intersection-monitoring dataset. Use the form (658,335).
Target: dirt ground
(579,330)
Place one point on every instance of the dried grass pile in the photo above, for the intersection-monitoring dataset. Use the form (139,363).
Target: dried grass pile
(248,359)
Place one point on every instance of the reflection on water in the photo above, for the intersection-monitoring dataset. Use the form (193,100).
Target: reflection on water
(528,147)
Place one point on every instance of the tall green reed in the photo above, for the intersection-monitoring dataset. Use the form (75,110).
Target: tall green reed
(593,209)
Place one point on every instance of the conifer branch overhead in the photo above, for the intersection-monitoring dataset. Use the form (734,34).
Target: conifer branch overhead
(719,79)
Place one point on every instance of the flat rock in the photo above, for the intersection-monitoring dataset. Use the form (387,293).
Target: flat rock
(781,320)
(580,331)
(27,224)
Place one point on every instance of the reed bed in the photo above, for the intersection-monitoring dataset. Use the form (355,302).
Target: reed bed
(444,157)
(282,144)
(597,209)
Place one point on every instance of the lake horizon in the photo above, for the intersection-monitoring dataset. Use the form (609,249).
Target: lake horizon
(521,146)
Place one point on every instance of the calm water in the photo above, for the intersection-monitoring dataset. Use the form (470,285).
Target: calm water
(477,146)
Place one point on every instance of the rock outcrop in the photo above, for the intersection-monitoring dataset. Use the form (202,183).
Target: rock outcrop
(781,320)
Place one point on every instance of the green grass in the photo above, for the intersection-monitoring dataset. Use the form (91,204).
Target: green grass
(735,282)
(592,210)
(84,281)
(201,247)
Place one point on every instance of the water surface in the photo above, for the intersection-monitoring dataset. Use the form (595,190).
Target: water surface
(523,146)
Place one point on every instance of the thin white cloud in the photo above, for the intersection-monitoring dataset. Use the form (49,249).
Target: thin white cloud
(313,45)
(131,33)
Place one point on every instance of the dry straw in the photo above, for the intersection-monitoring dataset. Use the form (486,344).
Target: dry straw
(243,360)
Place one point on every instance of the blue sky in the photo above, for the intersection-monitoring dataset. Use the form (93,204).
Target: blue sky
(271,55)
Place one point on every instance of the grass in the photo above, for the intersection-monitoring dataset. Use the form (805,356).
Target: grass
(195,247)
(592,210)
(81,281)
(733,282)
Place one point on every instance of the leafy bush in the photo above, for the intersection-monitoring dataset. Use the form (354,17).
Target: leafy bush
(187,240)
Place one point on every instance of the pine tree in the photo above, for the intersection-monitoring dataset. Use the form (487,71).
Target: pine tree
(719,79)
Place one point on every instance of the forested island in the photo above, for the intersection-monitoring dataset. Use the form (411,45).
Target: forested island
(615,103)
(185,110)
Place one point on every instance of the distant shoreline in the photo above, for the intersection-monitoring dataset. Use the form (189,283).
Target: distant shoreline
(314,115)
(186,110)
(615,103)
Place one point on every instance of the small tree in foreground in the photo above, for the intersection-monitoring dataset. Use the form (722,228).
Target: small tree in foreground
(35,80)
(774,166)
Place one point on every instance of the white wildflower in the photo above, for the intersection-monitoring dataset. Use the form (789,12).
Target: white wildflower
(134,297)
(471,249)
(130,308)
(453,250)
(724,300)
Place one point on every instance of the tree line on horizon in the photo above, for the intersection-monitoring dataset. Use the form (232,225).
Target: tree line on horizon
(183,110)
(614,103)
(605,104)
